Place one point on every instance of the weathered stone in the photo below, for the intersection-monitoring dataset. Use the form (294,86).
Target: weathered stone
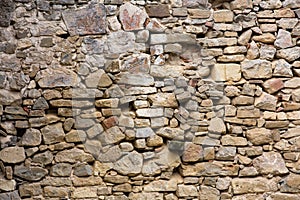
(259,136)
(267,52)
(223,16)
(150,112)
(270,163)
(171,133)
(56,78)
(131,164)
(210,193)
(132,17)
(233,141)
(245,37)
(43,158)
(290,54)
(30,173)
(291,4)
(159,10)
(94,23)
(186,191)
(283,39)
(53,133)
(10,97)
(264,38)
(98,79)
(163,100)
(111,136)
(266,102)
(241,4)
(61,169)
(253,185)
(75,136)
(282,68)
(136,79)
(32,137)
(226,72)
(226,153)
(6,9)
(30,189)
(137,63)
(273,85)
(270,4)
(216,125)
(7,185)
(82,170)
(195,3)
(12,154)
(73,155)
(192,153)
(255,69)
(84,192)
(253,51)
(281,196)
(198,13)
(215,168)
(161,186)
(217,42)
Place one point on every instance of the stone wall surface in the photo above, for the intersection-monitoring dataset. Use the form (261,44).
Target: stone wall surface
(150,100)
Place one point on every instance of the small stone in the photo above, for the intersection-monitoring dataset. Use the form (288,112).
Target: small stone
(10,97)
(192,153)
(94,23)
(226,72)
(216,125)
(7,185)
(132,17)
(129,165)
(199,13)
(150,112)
(259,136)
(266,102)
(253,51)
(270,163)
(30,189)
(46,42)
(159,10)
(283,39)
(12,155)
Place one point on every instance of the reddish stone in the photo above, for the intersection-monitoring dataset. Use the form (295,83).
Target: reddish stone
(110,122)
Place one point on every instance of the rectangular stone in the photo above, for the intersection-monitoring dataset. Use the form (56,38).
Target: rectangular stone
(216,42)
(199,14)
(135,79)
(150,112)
(223,16)
(140,90)
(253,185)
(226,72)
(172,38)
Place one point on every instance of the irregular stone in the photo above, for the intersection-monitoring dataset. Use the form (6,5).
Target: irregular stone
(282,68)
(259,136)
(266,102)
(130,165)
(195,3)
(53,133)
(82,170)
(75,136)
(270,163)
(12,154)
(161,186)
(171,133)
(7,185)
(270,4)
(159,10)
(132,17)
(217,42)
(136,63)
(287,23)
(166,71)
(292,83)
(233,141)
(267,52)
(291,4)
(30,173)
(248,112)
(281,196)
(223,16)
(120,42)
(192,153)
(40,104)
(51,78)
(256,69)
(264,38)
(32,137)
(73,155)
(273,85)
(30,189)
(216,125)
(241,4)
(94,23)
(214,168)
(10,97)
(61,169)
(136,79)
(226,153)
(210,193)
(84,192)
(196,13)
(283,39)
(245,37)
(43,158)
(186,191)
(253,185)
(253,51)
(98,79)
(111,136)
(226,72)
(163,100)
(289,54)
(150,112)
(6,10)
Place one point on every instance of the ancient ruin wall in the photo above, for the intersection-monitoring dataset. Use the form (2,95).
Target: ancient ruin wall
(146,100)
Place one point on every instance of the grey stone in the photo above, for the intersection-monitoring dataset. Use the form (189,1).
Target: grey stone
(83,170)
(282,68)
(30,173)
(129,165)
(195,3)
(226,153)
(10,97)
(136,79)
(289,54)
(61,169)
(6,10)
(43,158)
(94,21)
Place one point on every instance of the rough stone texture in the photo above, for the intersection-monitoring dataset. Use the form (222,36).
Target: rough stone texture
(179,99)
(94,21)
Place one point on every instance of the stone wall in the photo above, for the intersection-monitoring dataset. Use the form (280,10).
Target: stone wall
(144,100)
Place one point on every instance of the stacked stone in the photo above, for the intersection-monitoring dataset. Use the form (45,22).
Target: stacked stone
(179,99)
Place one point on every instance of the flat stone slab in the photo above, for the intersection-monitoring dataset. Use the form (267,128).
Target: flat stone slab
(86,21)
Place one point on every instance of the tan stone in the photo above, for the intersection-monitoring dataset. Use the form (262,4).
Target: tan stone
(223,16)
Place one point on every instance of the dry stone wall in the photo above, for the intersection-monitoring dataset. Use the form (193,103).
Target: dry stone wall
(144,100)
